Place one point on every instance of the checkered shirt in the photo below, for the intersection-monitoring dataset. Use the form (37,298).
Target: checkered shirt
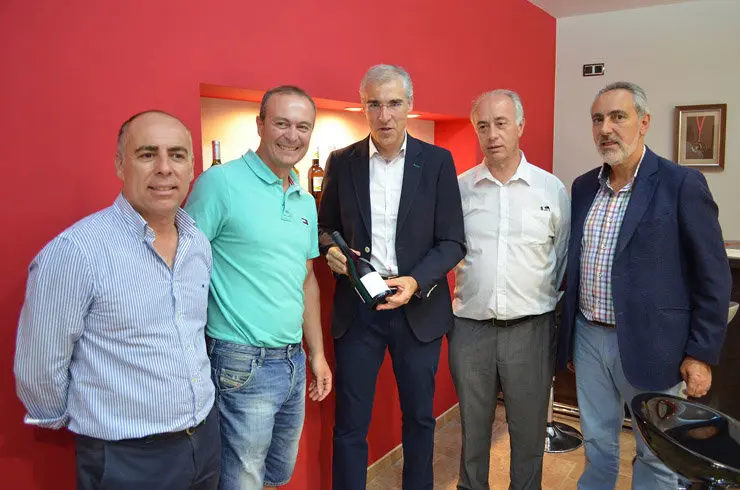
(599,242)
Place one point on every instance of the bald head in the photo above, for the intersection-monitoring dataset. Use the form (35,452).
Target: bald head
(147,117)
(155,163)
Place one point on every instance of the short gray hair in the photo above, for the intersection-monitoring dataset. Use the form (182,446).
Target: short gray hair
(639,99)
(518,107)
(387,73)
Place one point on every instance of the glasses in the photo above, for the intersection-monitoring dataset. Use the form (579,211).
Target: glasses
(392,106)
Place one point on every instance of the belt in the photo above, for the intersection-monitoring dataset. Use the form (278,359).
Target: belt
(162,436)
(174,435)
(511,323)
(177,434)
(191,430)
(602,324)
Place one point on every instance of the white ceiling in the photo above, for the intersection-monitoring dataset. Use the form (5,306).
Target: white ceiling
(567,8)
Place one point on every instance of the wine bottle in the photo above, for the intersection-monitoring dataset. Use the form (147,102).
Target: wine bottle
(368,284)
(216,147)
(315,177)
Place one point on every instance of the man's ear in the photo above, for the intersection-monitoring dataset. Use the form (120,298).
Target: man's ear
(260,126)
(119,165)
(644,124)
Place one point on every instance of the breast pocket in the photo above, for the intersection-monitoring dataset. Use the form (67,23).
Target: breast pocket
(475,204)
(193,302)
(536,226)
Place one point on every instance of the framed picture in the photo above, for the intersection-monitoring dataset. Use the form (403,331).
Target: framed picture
(700,135)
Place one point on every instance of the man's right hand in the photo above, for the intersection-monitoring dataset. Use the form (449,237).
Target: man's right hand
(337,261)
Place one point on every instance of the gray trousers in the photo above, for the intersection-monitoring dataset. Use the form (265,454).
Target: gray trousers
(518,360)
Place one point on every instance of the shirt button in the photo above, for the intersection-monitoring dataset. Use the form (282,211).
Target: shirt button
(367,250)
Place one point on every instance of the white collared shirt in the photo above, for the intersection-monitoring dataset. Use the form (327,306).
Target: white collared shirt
(386,181)
(517,238)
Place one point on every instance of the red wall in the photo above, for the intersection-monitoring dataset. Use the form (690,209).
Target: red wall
(73,71)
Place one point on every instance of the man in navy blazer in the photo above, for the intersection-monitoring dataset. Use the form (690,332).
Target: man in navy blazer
(396,201)
(648,285)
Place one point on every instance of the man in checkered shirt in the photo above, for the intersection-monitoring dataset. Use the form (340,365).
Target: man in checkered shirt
(648,285)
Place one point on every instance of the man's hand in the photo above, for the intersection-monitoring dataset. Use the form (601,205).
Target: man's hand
(337,261)
(698,376)
(321,383)
(405,286)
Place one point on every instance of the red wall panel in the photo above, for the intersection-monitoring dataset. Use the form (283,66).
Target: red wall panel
(74,70)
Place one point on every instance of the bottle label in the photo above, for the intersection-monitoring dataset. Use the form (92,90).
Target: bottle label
(374,284)
(317,181)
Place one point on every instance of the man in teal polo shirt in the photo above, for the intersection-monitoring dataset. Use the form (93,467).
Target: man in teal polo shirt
(263,295)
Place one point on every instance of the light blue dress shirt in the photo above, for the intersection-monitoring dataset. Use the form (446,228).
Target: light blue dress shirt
(111,339)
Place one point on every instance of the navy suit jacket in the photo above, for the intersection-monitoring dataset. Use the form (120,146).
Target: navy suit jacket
(670,275)
(430,238)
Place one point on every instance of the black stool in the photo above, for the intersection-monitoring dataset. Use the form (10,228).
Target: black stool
(694,440)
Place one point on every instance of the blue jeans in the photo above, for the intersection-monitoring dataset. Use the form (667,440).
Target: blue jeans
(602,391)
(261,396)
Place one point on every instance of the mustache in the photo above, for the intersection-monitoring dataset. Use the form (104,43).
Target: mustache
(607,139)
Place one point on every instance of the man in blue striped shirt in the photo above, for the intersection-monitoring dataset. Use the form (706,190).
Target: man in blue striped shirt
(111,336)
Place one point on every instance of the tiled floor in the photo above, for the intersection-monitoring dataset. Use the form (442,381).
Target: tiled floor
(560,471)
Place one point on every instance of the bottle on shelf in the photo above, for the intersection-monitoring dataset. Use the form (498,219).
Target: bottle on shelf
(367,282)
(216,148)
(315,177)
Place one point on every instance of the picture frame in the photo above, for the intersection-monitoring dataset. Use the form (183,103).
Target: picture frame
(700,135)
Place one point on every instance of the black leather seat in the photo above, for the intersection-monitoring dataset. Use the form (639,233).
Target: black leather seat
(694,440)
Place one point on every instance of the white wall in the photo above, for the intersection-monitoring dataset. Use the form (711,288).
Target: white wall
(682,54)
(233,123)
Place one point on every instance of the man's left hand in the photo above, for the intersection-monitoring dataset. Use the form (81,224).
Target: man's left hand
(321,383)
(698,376)
(405,286)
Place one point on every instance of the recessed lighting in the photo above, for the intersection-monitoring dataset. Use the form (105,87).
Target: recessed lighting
(412,116)
(353,109)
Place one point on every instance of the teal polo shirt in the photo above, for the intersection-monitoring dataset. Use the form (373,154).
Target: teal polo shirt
(261,239)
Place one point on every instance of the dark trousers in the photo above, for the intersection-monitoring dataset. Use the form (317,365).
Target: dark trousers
(519,360)
(161,462)
(359,354)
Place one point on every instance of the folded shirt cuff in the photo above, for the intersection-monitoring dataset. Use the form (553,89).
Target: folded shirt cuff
(48,423)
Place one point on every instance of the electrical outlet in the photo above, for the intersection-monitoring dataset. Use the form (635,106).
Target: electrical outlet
(593,70)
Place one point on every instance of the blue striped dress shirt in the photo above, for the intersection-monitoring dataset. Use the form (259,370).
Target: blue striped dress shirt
(111,339)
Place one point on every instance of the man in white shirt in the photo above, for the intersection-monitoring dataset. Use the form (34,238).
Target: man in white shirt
(517,220)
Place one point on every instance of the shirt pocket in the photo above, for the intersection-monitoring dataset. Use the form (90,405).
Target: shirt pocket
(474,203)
(192,301)
(536,226)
